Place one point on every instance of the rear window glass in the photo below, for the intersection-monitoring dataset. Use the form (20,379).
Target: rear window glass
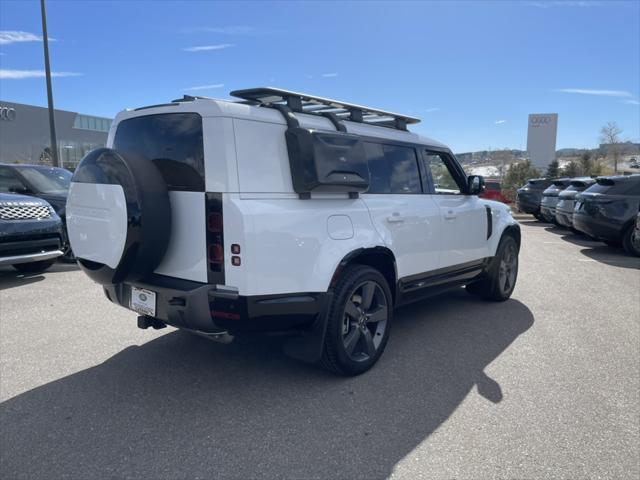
(173,141)
(492,186)
(618,188)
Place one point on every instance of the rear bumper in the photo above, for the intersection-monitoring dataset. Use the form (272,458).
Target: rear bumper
(528,204)
(563,218)
(597,227)
(548,212)
(214,309)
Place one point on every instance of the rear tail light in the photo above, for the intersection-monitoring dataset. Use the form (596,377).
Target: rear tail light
(215,239)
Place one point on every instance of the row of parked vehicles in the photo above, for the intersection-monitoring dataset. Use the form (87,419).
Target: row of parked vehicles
(32,213)
(603,208)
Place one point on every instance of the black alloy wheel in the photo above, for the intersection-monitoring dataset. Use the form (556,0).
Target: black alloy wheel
(358,321)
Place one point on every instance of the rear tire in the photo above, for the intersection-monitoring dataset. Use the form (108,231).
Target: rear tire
(358,322)
(501,276)
(34,267)
(631,247)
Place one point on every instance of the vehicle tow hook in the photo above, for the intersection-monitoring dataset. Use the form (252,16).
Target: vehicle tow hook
(145,322)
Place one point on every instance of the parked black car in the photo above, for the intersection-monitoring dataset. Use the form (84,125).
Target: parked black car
(608,209)
(566,200)
(48,183)
(530,196)
(550,199)
(30,233)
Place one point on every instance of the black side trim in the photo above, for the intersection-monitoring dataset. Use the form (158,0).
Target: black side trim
(489,221)
(417,287)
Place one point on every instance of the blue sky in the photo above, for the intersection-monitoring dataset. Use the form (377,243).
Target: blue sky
(471,70)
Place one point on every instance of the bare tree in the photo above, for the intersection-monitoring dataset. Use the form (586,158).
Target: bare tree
(610,136)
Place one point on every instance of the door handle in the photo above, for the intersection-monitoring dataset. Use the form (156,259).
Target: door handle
(395,217)
(450,215)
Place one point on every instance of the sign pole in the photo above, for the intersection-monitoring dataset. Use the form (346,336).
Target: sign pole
(47,66)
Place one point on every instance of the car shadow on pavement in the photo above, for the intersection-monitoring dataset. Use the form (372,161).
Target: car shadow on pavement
(613,256)
(182,406)
(10,278)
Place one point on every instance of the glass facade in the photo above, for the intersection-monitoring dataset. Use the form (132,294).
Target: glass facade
(70,153)
(87,122)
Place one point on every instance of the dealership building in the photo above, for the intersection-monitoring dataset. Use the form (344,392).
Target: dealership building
(24,134)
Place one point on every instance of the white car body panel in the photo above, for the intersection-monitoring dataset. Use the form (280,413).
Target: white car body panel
(186,255)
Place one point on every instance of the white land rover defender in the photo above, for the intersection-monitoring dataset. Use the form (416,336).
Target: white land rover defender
(283,212)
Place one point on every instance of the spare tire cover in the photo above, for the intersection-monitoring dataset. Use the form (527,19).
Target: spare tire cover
(118,216)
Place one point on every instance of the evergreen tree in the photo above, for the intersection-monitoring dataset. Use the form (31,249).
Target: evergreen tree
(553,169)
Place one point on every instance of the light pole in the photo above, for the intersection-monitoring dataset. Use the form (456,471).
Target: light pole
(47,67)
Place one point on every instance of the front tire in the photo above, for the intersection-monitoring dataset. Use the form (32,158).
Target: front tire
(358,322)
(34,267)
(501,275)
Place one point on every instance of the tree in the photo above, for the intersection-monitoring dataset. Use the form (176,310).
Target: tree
(516,176)
(571,169)
(553,169)
(610,137)
(585,163)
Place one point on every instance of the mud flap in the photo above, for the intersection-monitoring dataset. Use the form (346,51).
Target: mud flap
(307,346)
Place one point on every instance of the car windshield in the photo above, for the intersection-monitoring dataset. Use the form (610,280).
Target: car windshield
(47,179)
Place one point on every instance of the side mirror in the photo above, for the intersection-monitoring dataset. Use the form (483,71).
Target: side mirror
(475,184)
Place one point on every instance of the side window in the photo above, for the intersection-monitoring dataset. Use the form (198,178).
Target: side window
(443,181)
(392,168)
(8,181)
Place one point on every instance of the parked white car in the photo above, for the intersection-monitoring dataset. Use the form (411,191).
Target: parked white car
(283,212)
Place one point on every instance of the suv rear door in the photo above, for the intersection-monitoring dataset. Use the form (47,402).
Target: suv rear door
(407,219)
(464,217)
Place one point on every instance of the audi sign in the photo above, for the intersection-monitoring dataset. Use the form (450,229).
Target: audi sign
(7,113)
(541,138)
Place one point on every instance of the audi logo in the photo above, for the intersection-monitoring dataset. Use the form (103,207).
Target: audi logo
(538,121)
(7,113)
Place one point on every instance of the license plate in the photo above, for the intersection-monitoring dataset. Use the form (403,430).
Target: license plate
(143,301)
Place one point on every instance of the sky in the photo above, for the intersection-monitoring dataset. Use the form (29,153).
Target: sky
(472,71)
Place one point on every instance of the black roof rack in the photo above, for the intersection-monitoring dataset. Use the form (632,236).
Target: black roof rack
(303,103)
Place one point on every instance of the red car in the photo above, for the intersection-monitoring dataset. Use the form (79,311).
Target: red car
(493,191)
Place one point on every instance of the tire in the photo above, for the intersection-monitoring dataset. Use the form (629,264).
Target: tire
(34,267)
(539,217)
(501,275)
(631,245)
(357,333)
(612,243)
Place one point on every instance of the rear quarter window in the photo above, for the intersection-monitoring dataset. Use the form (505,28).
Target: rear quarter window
(173,141)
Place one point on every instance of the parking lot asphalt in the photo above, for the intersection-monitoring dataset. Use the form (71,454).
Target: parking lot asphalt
(545,385)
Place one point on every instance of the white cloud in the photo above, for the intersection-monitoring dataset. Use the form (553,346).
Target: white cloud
(15,36)
(228,30)
(206,48)
(566,3)
(499,122)
(632,102)
(585,91)
(432,109)
(21,74)
(206,87)
(329,75)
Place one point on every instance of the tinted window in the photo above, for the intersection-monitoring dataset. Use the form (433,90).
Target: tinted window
(173,141)
(8,181)
(443,181)
(392,169)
